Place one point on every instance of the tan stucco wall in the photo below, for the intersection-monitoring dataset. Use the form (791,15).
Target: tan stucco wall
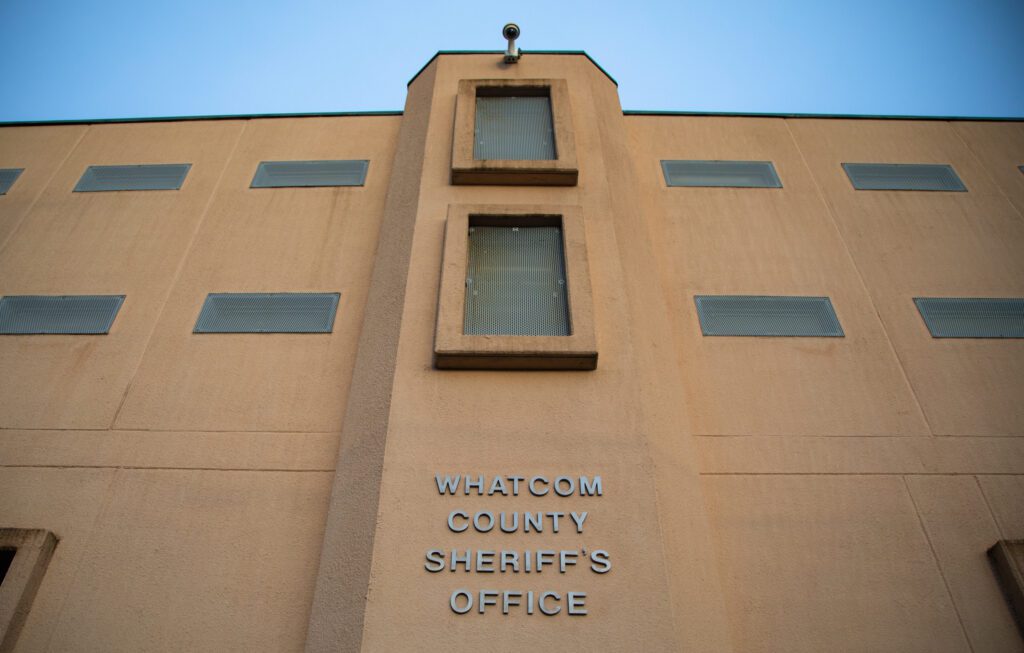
(852,483)
(187,476)
(212,492)
(619,421)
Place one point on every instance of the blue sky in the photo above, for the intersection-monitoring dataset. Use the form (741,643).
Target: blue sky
(116,59)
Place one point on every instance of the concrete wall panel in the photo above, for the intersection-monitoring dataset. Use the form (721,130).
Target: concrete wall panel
(764,242)
(193,560)
(929,244)
(1003,494)
(829,563)
(128,242)
(1000,148)
(169,449)
(270,240)
(66,502)
(40,151)
(618,421)
(960,530)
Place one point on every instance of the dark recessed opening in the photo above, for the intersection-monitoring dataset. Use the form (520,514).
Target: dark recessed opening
(516,277)
(6,558)
(514,124)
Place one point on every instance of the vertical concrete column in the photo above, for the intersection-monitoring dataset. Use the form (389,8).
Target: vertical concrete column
(339,603)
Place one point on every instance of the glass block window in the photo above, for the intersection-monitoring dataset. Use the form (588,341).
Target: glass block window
(516,282)
(58,314)
(513,128)
(268,313)
(168,176)
(7,178)
(974,317)
(733,174)
(755,315)
(903,176)
(284,174)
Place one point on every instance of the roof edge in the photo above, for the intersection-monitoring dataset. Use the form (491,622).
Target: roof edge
(837,116)
(240,116)
(521,51)
(626,112)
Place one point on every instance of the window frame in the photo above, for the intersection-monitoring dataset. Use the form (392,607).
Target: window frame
(33,550)
(93,179)
(453,349)
(1005,557)
(561,171)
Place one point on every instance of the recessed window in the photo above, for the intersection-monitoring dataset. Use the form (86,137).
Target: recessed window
(268,313)
(286,174)
(1007,558)
(730,174)
(759,315)
(164,176)
(7,178)
(514,127)
(24,556)
(973,317)
(903,176)
(58,314)
(6,558)
(515,280)
(515,290)
(513,132)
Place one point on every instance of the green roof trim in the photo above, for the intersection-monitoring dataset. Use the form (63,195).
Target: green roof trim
(839,116)
(521,51)
(240,116)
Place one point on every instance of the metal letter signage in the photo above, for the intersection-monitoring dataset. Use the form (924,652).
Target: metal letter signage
(494,523)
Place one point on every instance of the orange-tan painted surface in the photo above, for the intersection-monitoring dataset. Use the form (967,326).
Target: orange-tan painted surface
(758,494)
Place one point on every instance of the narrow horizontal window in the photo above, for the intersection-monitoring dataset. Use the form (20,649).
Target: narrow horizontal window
(959,317)
(730,174)
(7,178)
(268,313)
(903,176)
(164,176)
(514,128)
(58,314)
(285,174)
(515,282)
(754,315)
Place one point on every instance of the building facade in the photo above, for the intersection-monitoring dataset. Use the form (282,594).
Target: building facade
(728,427)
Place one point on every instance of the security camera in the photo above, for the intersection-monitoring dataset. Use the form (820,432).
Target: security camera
(511,32)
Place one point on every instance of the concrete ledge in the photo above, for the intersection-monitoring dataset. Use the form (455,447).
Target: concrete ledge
(1007,558)
(33,550)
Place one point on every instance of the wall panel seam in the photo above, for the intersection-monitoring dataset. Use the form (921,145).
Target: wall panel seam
(938,564)
(85,548)
(988,504)
(1017,210)
(860,277)
(43,189)
(178,272)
